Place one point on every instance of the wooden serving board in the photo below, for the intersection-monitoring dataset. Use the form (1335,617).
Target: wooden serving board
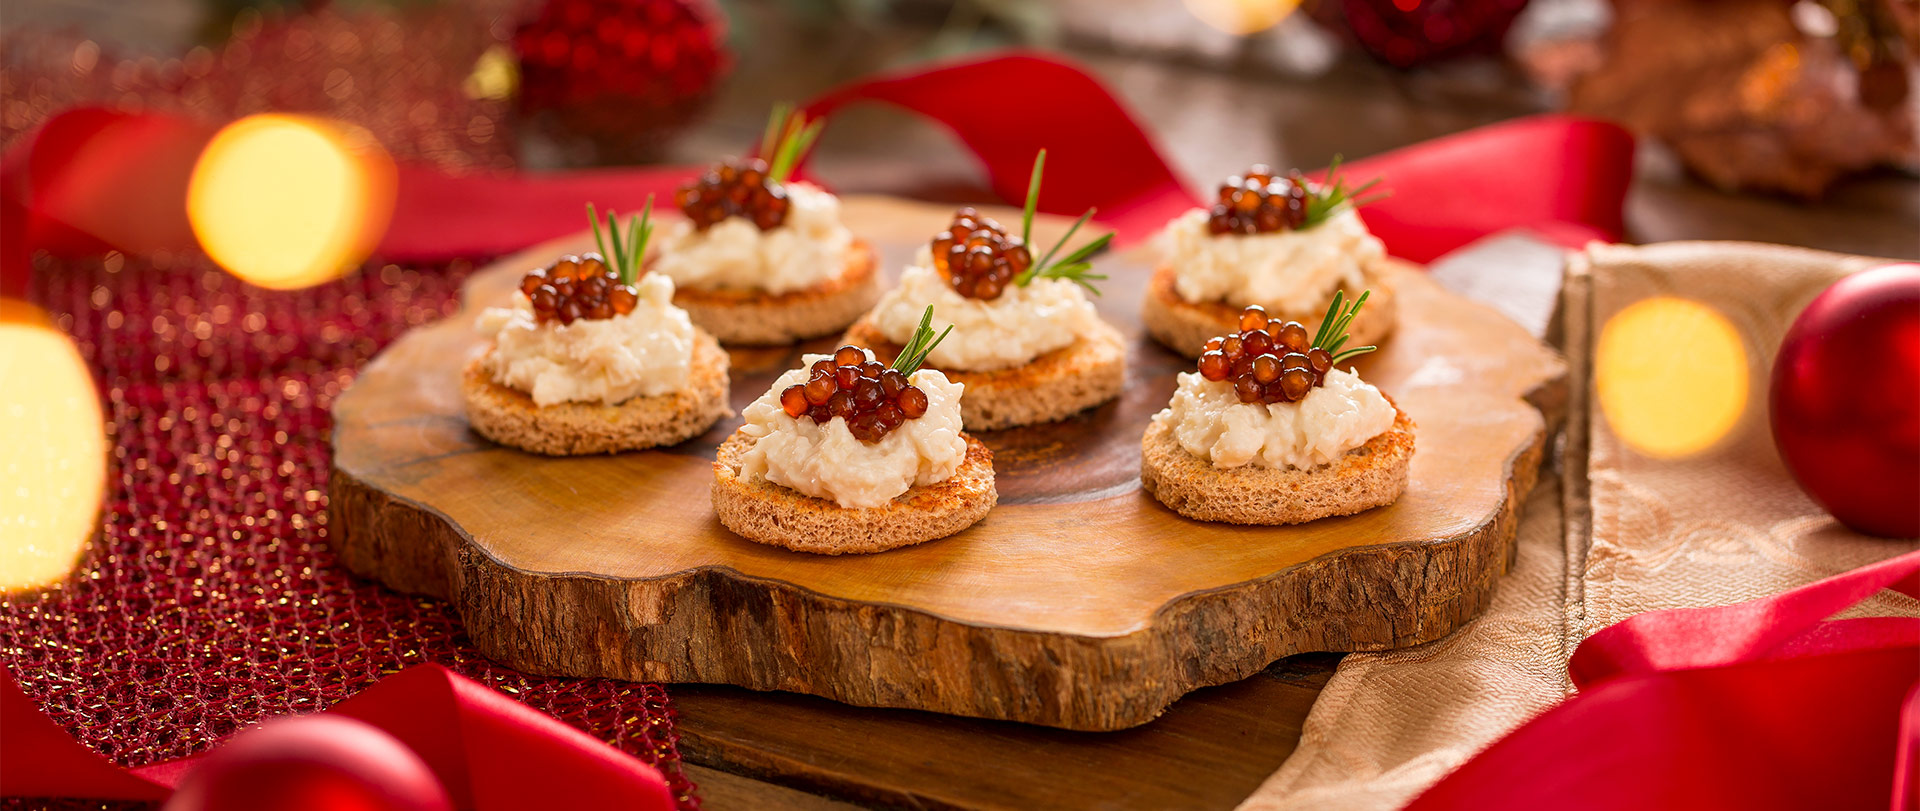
(1080,602)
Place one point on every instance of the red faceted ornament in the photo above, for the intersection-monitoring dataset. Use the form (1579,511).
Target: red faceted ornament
(1405,33)
(311,763)
(619,75)
(1845,400)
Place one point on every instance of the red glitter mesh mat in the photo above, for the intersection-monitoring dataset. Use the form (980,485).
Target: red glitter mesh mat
(211,599)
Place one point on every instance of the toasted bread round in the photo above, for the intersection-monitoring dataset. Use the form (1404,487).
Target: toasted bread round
(1185,327)
(1056,385)
(510,417)
(1369,476)
(778,516)
(756,318)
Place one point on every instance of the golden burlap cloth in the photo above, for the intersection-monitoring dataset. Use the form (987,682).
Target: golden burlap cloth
(1616,533)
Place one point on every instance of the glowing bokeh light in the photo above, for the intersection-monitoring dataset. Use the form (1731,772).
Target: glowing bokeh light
(53,455)
(1671,375)
(495,76)
(287,201)
(1242,17)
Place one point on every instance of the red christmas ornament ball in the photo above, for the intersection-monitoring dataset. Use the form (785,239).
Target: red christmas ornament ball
(311,763)
(1845,400)
(1406,33)
(624,74)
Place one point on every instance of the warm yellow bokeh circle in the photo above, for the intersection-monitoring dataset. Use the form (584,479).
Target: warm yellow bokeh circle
(1241,17)
(1671,375)
(286,201)
(53,454)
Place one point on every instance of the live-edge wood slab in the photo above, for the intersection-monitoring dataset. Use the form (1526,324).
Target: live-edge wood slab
(1080,602)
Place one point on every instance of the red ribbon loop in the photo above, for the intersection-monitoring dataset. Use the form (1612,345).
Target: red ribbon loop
(1758,705)
(1097,154)
(1685,638)
(487,750)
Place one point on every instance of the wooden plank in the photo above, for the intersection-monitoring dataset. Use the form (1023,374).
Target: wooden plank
(722,791)
(1208,751)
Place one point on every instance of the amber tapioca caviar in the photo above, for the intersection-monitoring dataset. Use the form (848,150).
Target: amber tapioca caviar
(872,398)
(1267,361)
(1259,202)
(979,258)
(743,189)
(576,287)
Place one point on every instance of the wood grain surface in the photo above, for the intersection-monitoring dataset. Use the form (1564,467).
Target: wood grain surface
(1080,602)
(1208,751)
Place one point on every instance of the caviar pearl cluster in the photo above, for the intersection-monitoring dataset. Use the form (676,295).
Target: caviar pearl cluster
(755,188)
(1261,202)
(980,260)
(590,287)
(1272,361)
(1258,202)
(872,397)
(978,257)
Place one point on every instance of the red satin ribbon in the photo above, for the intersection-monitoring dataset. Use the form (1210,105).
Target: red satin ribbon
(489,751)
(1098,156)
(91,179)
(1758,705)
(1563,177)
(439,217)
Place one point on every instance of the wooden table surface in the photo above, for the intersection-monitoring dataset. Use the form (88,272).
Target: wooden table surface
(754,750)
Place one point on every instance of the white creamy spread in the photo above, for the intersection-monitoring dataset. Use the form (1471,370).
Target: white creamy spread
(1210,422)
(825,461)
(809,247)
(1021,324)
(1288,271)
(607,360)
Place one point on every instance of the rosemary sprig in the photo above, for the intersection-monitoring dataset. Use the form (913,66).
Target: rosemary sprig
(787,138)
(771,137)
(628,256)
(920,345)
(1075,272)
(1033,198)
(1076,256)
(1333,327)
(1331,194)
(1074,266)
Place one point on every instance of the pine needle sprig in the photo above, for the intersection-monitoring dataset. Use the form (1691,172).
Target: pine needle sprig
(629,255)
(788,137)
(1325,200)
(1074,266)
(915,353)
(1333,327)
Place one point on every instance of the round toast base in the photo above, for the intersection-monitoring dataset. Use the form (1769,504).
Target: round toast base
(1185,327)
(510,417)
(779,516)
(756,318)
(1054,386)
(1372,475)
